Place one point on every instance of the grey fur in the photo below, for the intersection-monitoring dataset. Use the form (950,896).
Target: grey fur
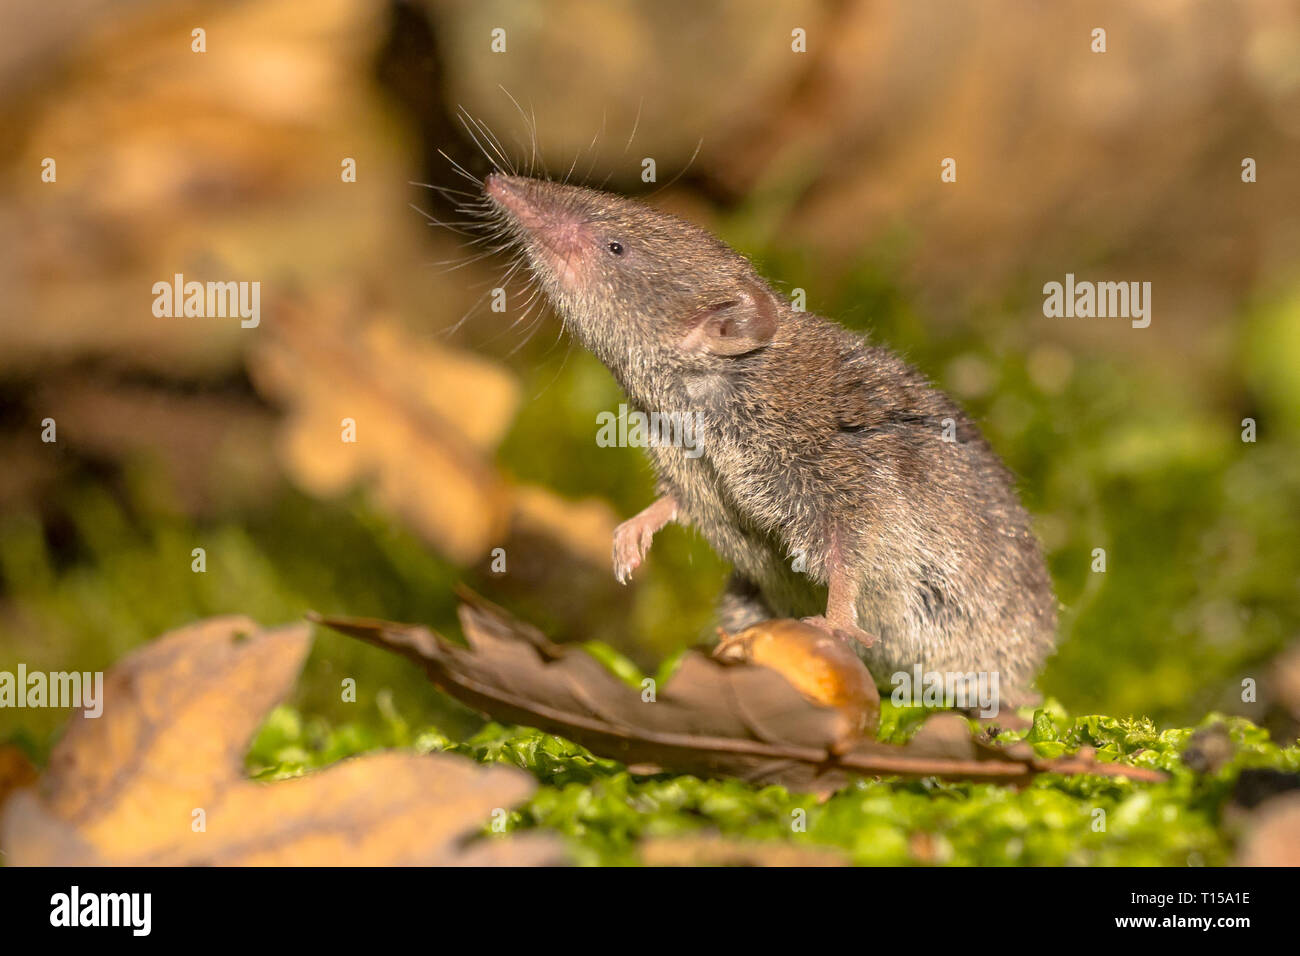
(811,433)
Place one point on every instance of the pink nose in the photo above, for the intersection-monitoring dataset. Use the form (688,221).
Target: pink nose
(497,185)
(507,191)
(561,240)
(530,204)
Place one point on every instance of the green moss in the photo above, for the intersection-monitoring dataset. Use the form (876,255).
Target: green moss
(1058,820)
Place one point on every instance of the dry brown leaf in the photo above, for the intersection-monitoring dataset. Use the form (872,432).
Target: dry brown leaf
(419,441)
(712,718)
(123,789)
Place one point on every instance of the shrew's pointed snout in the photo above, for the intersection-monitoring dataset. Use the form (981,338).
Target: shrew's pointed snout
(500,187)
(517,196)
(561,238)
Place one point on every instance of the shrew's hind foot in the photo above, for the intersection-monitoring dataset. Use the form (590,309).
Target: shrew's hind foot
(852,635)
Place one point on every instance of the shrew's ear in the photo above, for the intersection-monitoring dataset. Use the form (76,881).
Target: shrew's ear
(733,325)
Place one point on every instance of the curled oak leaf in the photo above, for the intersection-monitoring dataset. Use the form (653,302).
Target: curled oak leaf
(158,779)
(713,718)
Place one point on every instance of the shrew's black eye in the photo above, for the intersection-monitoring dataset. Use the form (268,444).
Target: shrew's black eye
(616,248)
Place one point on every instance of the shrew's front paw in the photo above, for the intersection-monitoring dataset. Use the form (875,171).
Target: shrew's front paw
(631,542)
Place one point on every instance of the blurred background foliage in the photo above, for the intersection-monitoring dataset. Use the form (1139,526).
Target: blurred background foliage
(176,434)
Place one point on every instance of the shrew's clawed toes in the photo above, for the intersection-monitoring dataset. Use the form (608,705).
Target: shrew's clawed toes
(850,634)
(633,537)
(630,546)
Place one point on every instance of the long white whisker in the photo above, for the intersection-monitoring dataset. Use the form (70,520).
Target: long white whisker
(635,123)
(531,127)
(445,190)
(681,172)
(604,118)
(497,147)
(467,121)
(461,169)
